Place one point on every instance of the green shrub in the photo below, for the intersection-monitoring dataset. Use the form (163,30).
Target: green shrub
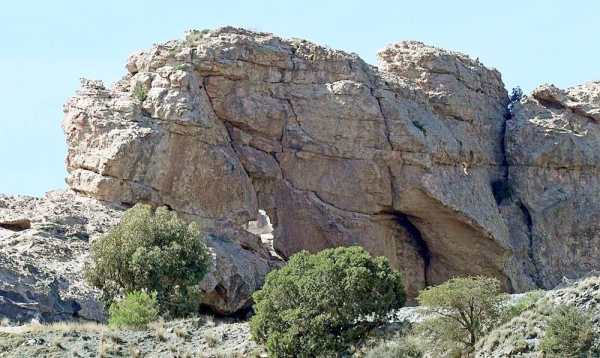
(154,253)
(515,96)
(527,302)
(568,333)
(464,310)
(139,93)
(318,305)
(136,310)
(194,37)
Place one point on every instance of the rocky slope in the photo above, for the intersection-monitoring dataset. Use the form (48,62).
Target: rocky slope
(43,244)
(522,335)
(198,337)
(415,160)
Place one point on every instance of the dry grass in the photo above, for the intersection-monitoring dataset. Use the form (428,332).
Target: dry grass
(104,349)
(159,329)
(115,336)
(66,327)
(133,352)
(59,344)
(210,340)
(180,332)
(4,322)
(209,320)
(187,338)
(160,333)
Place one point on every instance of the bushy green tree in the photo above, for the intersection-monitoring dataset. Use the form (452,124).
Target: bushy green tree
(464,310)
(318,305)
(156,253)
(136,310)
(568,333)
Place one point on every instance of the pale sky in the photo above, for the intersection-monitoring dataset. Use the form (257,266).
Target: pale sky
(46,46)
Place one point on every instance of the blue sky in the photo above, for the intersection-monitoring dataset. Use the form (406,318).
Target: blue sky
(45,47)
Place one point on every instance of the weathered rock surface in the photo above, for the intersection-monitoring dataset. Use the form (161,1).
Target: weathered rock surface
(408,160)
(44,243)
(41,263)
(552,145)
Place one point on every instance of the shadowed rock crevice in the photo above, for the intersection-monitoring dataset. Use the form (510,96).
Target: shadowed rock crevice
(415,236)
(531,249)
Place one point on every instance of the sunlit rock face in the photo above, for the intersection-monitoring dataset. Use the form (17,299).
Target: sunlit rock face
(418,160)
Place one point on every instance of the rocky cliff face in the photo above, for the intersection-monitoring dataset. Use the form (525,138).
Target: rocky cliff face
(552,146)
(414,160)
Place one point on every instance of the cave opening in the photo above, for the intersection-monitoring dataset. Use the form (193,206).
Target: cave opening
(417,240)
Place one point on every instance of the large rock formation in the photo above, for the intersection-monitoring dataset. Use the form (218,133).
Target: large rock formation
(418,160)
(407,160)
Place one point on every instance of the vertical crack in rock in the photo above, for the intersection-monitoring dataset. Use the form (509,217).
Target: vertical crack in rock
(531,250)
(385,120)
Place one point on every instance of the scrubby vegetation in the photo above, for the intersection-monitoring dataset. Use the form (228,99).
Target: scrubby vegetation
(463,310)
(136,310)
(155,253)
(558,323)
(515,96)
(319,305)
(178,338)
(561,323)
(139,93)
(194,37)
(568,333)
(405,347)
(526,302)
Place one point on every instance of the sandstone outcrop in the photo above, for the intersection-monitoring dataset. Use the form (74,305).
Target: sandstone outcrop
(415,160)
